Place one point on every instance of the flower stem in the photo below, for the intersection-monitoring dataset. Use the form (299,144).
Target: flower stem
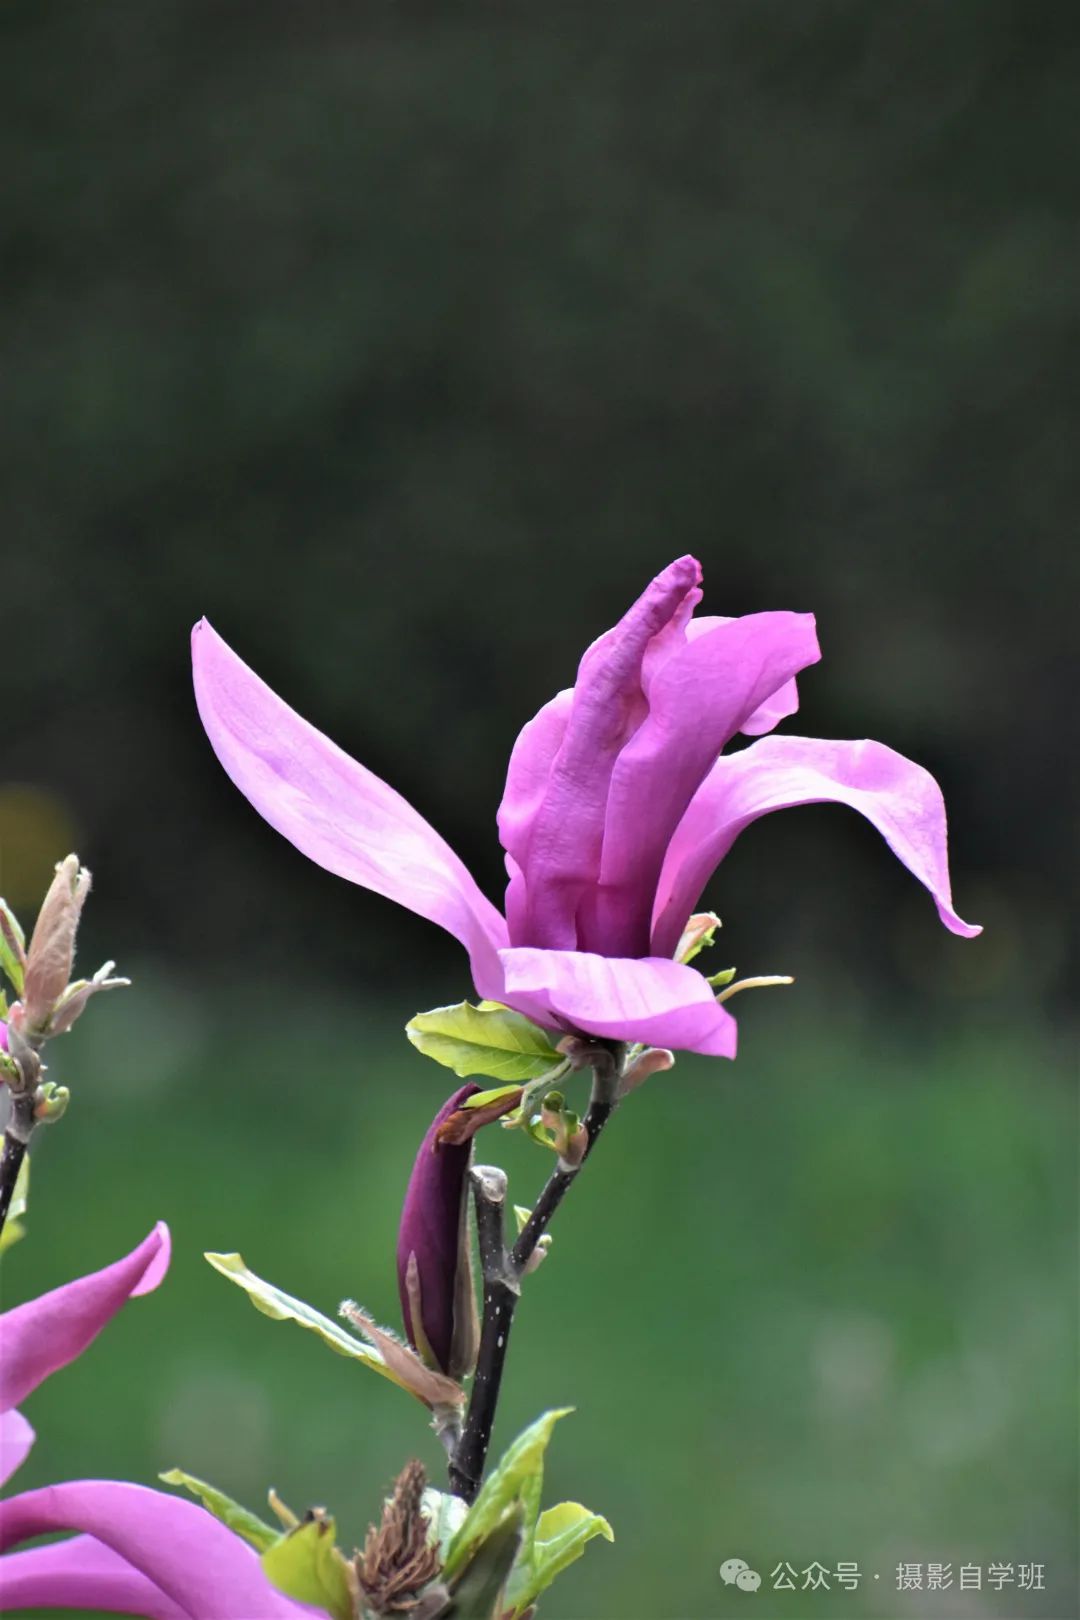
(20,1128)
(502,1270)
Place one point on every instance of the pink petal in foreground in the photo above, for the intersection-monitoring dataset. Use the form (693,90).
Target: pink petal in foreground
(898,797)
(16,1438)
(207,1571)
(80,1573)
(335,811)
(645,999)
(48,1332)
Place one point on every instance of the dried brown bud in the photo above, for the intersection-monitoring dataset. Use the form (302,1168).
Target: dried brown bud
(399,1559)
(435,1389)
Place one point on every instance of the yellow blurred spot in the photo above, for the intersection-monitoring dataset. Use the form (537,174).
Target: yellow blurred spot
(36,831)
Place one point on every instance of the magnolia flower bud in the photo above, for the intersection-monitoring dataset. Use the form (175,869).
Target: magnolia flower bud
(52,945)
(434,1263)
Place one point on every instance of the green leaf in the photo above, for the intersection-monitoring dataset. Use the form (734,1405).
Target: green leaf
(479,1592)
(238,1519)
(562,1534)
(306,1565)
(485,1040)
(445,1514)
(282,1307)
(14,1228)
(519,1477)
(12,947)
(481,1098)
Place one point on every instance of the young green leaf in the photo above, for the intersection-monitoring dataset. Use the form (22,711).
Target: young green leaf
(481,1099)
(519,1477)
(282,1307)
(480,1590)
(306,1565)
(239,1519)
(562,1534)
(486,1040)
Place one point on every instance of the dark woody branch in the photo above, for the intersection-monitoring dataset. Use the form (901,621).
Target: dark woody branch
(502,1269)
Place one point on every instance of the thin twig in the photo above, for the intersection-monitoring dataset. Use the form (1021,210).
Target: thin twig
(20,1127)
(502,1273)
(501,1290)
(22,1074)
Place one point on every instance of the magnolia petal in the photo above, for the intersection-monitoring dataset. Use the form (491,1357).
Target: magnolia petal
(900,798)
(527,777)
(81,1574)
(207,1571)
(46,1333)
(697,702)
(554,818)
(647,999)
(336,812)
(768,715)
(16,1438)
(783,702)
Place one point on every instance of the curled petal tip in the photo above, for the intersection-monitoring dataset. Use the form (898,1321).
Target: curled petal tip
(956,924)
(159,1247)
(684,570)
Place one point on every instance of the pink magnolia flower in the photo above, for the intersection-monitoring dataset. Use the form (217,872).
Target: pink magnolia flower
(619,805)
(139,1551)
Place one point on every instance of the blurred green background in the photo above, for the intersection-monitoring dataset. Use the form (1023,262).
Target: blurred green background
(407,342)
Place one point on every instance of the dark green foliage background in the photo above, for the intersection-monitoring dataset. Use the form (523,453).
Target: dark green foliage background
(406,342)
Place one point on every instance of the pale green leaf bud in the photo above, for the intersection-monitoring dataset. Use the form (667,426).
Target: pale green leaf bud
(51,1102)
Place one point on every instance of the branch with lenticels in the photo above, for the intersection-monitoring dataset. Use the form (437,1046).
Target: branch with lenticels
(503,1268)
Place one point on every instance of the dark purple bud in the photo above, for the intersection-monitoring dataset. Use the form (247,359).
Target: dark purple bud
(433,1259)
